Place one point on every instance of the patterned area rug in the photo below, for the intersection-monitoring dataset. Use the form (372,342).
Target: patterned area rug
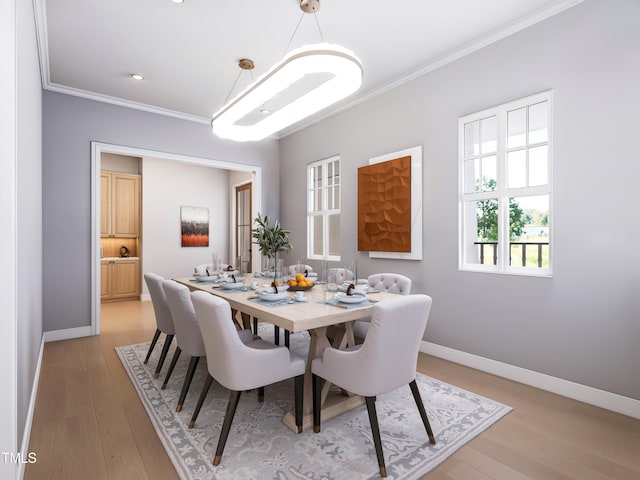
(260,446)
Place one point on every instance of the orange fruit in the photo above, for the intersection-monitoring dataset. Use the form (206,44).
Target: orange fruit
(300,277)
(293,283)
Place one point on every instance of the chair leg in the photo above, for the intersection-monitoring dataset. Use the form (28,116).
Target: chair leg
(260,394)
(423,413)
(287,335)
(255,325)
(172,365)
(163,355)
(234,397)
(298,395)
(375,430)
(193,363)
(203,395)
(276,335)
(152,346)
(317,393)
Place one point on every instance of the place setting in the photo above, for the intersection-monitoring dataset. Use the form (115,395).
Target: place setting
(350,295)
(278,295)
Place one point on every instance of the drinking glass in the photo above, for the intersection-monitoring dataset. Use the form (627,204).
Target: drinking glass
(215,262)
(266,265)
(280,273)
(332,279)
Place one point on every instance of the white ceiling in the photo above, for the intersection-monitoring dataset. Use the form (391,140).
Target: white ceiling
(189,53)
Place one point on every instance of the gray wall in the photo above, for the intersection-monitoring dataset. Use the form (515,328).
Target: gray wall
(167,186)
(29,198)
(70,125)
(582,324)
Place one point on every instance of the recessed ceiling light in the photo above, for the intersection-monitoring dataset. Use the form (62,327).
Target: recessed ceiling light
(137,76)
(177,1)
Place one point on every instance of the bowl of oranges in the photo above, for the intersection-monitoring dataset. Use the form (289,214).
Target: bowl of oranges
(300,283)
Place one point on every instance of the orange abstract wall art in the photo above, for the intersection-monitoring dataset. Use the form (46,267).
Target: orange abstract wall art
(384,206)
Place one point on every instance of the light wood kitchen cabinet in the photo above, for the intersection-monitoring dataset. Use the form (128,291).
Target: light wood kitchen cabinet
(119,279)
(119,205)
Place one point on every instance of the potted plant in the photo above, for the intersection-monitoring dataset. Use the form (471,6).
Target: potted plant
(271,239)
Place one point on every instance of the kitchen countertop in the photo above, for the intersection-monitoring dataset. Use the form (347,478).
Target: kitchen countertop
(109,259)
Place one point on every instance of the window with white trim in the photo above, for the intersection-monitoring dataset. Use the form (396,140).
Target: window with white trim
(323,209)
(505,188)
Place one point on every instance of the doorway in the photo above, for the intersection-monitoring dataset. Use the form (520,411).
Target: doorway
(97,149)
(244,216)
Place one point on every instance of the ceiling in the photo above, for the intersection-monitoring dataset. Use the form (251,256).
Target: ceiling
(189,53)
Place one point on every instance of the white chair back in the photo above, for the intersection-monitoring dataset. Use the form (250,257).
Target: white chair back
(235,365)
(341,275)
(184,318)
(160,305)
(293,269)
(387,358)
(390,282)
(392,344)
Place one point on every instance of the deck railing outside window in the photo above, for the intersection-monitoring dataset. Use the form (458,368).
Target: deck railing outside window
(522,246)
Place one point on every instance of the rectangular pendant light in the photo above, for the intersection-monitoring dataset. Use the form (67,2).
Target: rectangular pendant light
(345,77)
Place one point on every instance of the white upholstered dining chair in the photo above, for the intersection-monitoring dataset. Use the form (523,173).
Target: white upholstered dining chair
(187,331)
(164,322)
(238,366)
(293,269)
(341,275)
(385,361)
(384,282)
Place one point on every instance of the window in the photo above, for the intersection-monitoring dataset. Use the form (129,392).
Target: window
(505,188)
(323,210)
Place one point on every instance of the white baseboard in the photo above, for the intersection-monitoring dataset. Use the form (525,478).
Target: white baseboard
(583,393)
(26,436)
(67,333)
(145,297)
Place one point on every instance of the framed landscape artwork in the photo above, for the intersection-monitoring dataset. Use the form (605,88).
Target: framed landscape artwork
(194,226)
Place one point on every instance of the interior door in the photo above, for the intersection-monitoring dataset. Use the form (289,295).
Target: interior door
(243,224)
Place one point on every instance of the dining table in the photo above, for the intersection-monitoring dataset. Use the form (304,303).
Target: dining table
(319,312)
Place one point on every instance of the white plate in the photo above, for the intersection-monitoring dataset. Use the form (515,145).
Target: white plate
(207,279)
(231,285)
(269,289)
(272,297)
(343,297)
(358,288)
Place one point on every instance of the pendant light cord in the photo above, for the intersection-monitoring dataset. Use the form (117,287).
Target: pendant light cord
(293,36)
(232,87)
(315,15)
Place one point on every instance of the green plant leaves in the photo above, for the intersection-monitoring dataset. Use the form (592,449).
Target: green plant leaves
(271,238)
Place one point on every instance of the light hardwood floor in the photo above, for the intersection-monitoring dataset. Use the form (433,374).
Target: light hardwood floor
(89,423)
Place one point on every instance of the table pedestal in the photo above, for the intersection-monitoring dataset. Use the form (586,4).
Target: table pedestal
(333,404)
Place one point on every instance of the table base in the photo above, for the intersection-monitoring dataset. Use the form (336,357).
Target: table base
(333,406)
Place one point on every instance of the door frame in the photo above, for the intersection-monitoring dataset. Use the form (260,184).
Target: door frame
(97,149)
(234,206)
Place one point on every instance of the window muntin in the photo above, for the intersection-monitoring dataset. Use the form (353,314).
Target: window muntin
(323,210)
(505,188)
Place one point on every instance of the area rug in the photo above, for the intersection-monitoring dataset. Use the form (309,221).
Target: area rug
(260,446)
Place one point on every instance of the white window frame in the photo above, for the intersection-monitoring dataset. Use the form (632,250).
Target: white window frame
(324,211)
(502,193)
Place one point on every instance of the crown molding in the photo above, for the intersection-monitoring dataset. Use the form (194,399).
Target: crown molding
(98,97)
(519,24)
